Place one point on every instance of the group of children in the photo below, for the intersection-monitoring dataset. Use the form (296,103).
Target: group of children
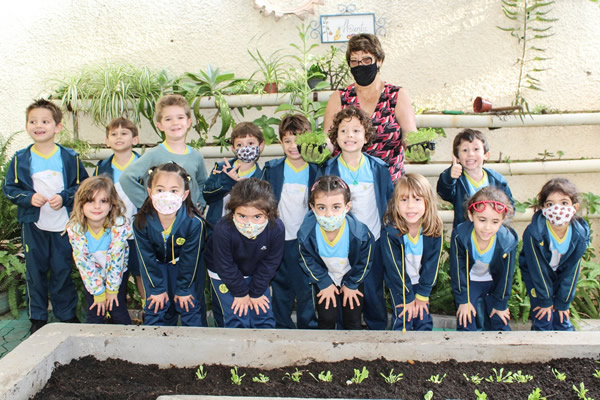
(320,239)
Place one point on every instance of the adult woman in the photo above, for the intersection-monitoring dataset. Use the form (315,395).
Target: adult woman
(388,105)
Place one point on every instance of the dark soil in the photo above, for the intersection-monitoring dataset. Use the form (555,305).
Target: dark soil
(88,378)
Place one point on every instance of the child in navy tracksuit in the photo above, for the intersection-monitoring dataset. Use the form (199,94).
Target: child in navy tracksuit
(336,253)
(242,255)
(42,180)
(371,187)
(169,235)
(412,245)
(482,261)
(291,178)
(121,136)
(553,245)
(467,175)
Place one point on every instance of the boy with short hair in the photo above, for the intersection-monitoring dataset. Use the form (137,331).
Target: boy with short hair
(467,175)
(291,179)
(42,180)
(121,136)
(248,142)
(174,118)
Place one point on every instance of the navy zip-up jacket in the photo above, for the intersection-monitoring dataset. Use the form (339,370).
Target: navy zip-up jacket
(552,288)
(18,184)
(182,249)
(233,256)
(502,266)
(216,187)
(273,173)
(105,166)
(360,255)
(456,191)
(396,277)
(384,187)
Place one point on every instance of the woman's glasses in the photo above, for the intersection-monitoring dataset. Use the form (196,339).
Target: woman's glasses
(363,61)
(480,206)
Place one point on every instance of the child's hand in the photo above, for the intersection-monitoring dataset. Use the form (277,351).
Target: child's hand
(564,315)
(110,300)
(313,153)
(100,307)
(408,310)
(504,315)
(185,302)
(421,308)
(350,296)
(465,314)
(55,202)
(230,171)
(543,312)
(38,200)
(240,305)
(259,303)
(158,301)
(328,295)
(456,170)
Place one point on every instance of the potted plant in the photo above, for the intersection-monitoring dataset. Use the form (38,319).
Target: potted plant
(270,67)
(420,145)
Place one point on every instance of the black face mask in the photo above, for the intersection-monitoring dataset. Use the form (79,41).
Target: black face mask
(364,75)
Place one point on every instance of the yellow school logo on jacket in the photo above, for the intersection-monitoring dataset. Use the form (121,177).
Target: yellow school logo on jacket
(180,241)
(223,288)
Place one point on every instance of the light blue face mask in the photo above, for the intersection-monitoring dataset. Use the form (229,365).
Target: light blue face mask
(330,224)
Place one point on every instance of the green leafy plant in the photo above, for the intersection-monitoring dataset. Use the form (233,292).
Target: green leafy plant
(294,376)
(420,145)
(323,376)
(559,375)
(201,373)
(436,378)
(581,392)
(266,126)
(480,395)
(476,379)
(335,67)
(236,379)
(261,379)
(499,376)
(315,138)
(428,395)
(519,377)
(536,394)
(359,376)
(390,378)
(523,206)
(530,23)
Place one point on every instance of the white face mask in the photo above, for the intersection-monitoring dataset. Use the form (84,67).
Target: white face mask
(166,202)
(559,215)
(250,230)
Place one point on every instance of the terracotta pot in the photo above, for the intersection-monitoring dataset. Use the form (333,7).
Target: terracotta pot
(271,87)
(481,105)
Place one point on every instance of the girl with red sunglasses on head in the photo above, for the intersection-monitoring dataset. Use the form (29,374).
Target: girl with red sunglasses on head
(482,261)
(553,245)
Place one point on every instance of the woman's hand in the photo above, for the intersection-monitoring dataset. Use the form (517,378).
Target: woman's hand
(240,305)
(259,303)
(328,295)
(350,296)
(158,301)
(185,302)
(465,314)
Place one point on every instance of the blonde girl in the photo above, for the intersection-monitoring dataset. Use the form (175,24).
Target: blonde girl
(482,260)
(98,232)
(412,244)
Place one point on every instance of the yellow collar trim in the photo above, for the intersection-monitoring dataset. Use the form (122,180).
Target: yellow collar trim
(187,149)
(244,173)
(336,238)
(122,167)
(289,164)
(489,246)
(474,183)
(360,163)
(167,231)
(45,156)
(95,235)
(414,240)
(555,235)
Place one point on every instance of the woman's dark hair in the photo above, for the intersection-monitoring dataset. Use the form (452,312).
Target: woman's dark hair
(365,42)
(329,184)
(561,185)
(352,112)
(255,193)
(148,209)
(491,193)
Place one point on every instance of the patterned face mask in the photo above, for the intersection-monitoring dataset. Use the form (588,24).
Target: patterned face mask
(332,223)
(248,153)
(559,215)
(250,230)
(166,202)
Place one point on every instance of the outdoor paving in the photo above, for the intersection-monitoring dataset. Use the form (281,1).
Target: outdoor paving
(13,331)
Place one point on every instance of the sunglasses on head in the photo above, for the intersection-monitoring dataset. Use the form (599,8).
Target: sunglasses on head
(480,206)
